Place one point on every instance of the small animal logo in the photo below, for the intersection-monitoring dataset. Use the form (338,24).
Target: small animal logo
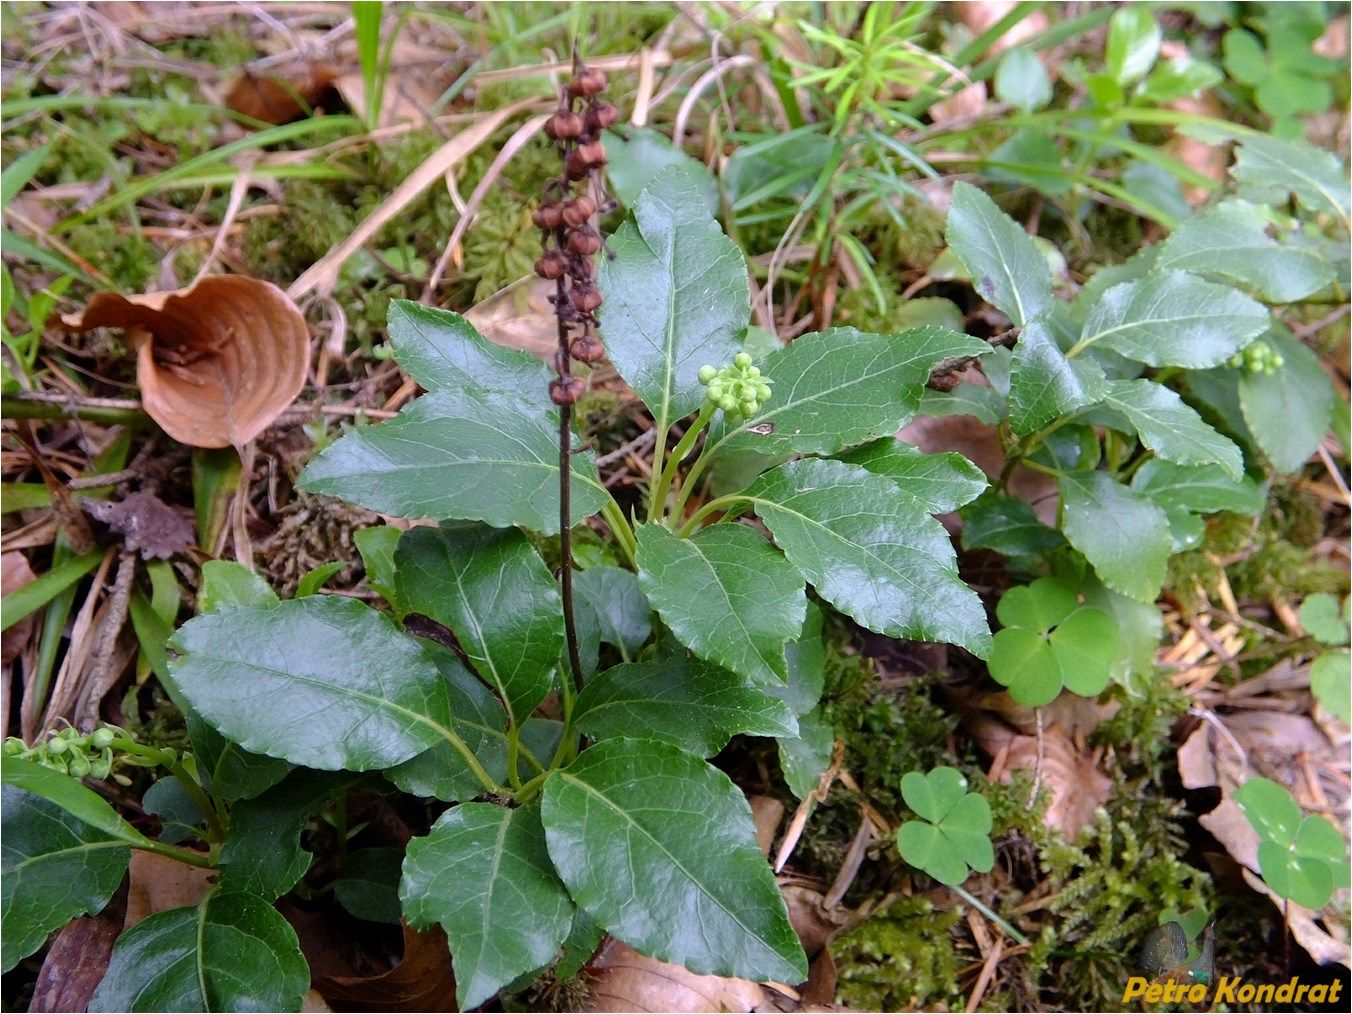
(1168,956)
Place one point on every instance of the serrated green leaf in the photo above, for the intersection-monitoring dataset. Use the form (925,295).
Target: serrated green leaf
(1044,383)
(681,700)
(639,155)
(1123,534)
(1007,525)
(459,453)
(985,404)
(493,590)
(71,795)
(53,867)
(869,553)
(937,483)
(1172,318)
(806,655)
(660,849)
(1288,411)
(326,682)
(676,295)
(1004,263)
(179,816)
(838,388)
(803,758)
(368,886)
(230,952)
(1206,489)
(376,546)
(727,595)
(1287,167)
(623,615)
(1170,428)
(262,854)
(483,872)
(1229,241)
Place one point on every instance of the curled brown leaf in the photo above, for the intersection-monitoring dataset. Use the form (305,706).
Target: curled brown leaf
(217,362)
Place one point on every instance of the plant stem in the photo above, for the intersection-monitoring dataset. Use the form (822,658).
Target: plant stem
(566,498)
(621,529)
(678,454)
(215,829)
(182,855)
(513,754)
(1013,933)
(722,503)
(471,761)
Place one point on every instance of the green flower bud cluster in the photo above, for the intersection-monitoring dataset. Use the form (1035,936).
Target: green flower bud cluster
(1259,357)
(738,389)
(75,753)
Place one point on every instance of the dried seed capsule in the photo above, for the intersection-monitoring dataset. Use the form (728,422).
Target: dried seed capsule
(577,212)
(585,297)
(548,216)
(586,349)
(600,116)
(565,390)
(564,125)
(587,82)
(550,266)
(585,241)
(594,152)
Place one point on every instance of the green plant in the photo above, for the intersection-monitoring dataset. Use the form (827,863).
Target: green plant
(1287,76)
(571,729)
(1328,624)
(1301,857)
(952,837)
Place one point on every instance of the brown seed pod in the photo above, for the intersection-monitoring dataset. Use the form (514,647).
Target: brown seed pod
(548,216)
(585,241)
(594,152)
(586,349)
(550,266)
(600,116)
(587,82)
(566,390)
(577,212)
(576,164)
(564,125)
(585,297)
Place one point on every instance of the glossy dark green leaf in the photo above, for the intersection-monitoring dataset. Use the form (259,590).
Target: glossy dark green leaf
(660,849)
(1004,263)
(870,553)
(1172,318)
(1006,525)
(1206,490)
(841,387)
(178,813)
(226,583)
(490,587)
(678,699)
(376,545)
(229,771)
(483,872)
(676,295)
(71,795)
(623,615)
(53,867)
(368,886)
(636,157)
(230,952)
(727,595)
(803,758)
(459,453)
(937,483)
(262,854)
(326,682)
(1285,167)
(806,655)
(1122,533)
(1288,411)
(1044,384)
(1170,428)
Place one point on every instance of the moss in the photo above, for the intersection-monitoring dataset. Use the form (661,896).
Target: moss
(902,958)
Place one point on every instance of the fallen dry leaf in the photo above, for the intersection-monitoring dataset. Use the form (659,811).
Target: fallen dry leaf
(158,883)
(217,362)
(422,981)
(147,524)
(519,316)
(283,96)
(1325,946)
(623,980)
(78,958)
(14,574)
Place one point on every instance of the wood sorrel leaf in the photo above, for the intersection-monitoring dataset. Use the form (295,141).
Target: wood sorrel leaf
(490,587)
(230,952)
(53,867)
(727,595)
(324,681)
(937,483)
(869,552)
(465,454)
(1004,263)
(483,873)
(660,849)
(676,295)
(1123,534)
(1172,318)
(678,699)
(841,387)
(1170,428)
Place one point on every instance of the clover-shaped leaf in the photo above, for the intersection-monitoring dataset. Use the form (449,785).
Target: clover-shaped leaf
(1050,641)
(1322,618)
(1302,858)
(1330,683)
(954,833)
